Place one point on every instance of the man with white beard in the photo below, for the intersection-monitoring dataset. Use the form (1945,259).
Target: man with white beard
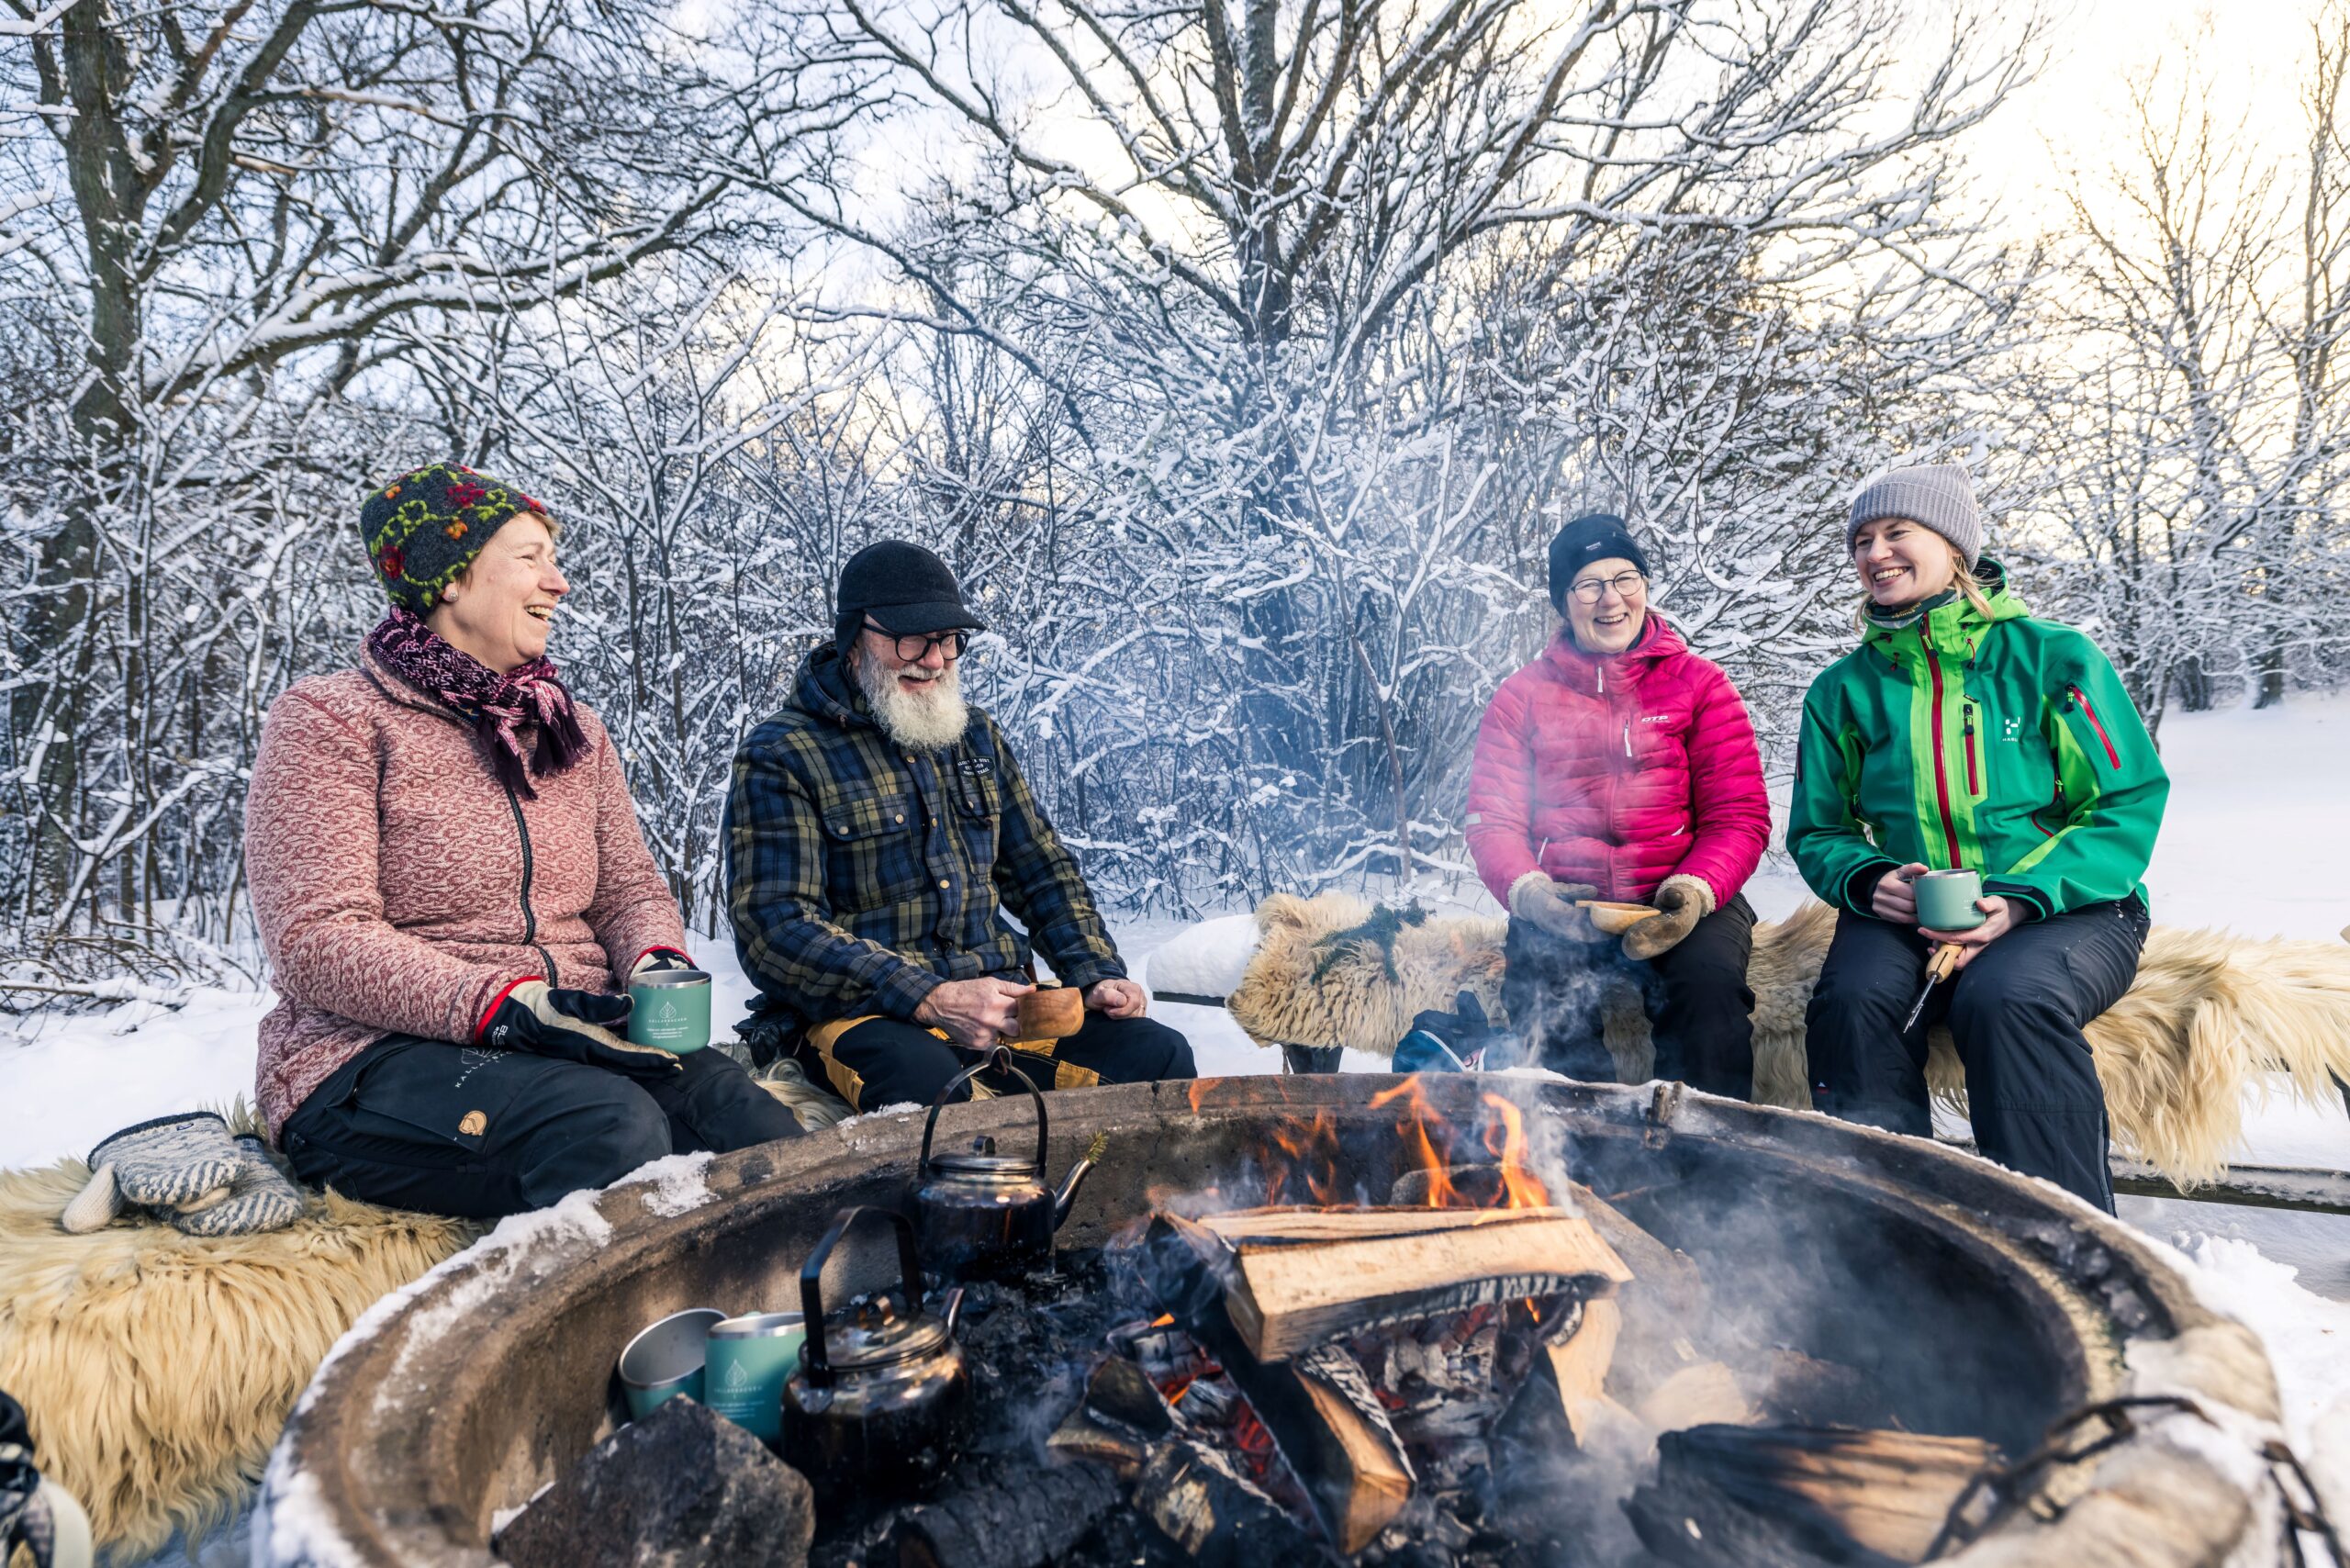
(877,832)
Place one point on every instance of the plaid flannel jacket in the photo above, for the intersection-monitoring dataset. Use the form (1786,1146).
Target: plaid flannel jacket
(861,875)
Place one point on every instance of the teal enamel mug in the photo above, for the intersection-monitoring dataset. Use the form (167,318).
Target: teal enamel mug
(672,1010)
(1946,899)
(749,1360)
(666,1360)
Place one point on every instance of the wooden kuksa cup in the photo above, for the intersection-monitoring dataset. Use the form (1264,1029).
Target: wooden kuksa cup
(1050,1013)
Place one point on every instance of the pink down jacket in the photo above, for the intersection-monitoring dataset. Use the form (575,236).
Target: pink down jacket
(401,889)
(1618,772)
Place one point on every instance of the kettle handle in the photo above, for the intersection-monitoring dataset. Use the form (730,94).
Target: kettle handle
(812,1360)
(1000,1057)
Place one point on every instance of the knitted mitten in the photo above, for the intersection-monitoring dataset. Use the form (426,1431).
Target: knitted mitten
(260,1199)
(183,1162)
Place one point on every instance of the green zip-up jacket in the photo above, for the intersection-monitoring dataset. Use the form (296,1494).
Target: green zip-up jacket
(2002,743)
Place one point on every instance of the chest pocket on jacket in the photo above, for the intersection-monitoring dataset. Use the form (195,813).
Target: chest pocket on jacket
(979,807)
(871,849)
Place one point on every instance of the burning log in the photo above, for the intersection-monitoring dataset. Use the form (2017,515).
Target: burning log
(1886,1492)
(1047,1513)
(1295,1277)
(1198,1497)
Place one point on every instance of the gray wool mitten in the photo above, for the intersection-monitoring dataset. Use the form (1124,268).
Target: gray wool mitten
(260,1199)
(186,1163)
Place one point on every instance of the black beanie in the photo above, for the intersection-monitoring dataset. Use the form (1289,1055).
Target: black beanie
(905,589)
(1595,536)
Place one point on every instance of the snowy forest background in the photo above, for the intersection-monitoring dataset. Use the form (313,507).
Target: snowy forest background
(1242,355)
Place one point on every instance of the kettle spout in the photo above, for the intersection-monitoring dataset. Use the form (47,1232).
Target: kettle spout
(1066,1196)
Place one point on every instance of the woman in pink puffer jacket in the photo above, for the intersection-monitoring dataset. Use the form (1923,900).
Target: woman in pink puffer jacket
(1618,764)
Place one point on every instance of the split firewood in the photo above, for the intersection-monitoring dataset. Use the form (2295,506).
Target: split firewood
(1329,1429)
(1358,1470)
(1692,1524)
(1580,1365)
(1887,1492)
(996,1527)
(1200,1500)
(1668,1278)
(1083,1435)
(1295,1277)
(1706,1393)
(1121,1391)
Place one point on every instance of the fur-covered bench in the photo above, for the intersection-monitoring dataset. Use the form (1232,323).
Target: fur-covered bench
(2209,1014)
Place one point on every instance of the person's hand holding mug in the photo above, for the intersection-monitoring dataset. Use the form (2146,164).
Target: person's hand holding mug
(1998,919)
(974,1013)
(1895,899)
(1117,998)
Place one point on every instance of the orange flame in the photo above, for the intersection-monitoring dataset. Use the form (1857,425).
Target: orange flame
(1313,1156)
(1521,1189)
(1420,1150)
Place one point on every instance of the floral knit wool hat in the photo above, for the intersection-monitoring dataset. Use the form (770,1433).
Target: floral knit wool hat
(423,529)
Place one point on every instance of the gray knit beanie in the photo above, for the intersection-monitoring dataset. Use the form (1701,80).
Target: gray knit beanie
(1938,496)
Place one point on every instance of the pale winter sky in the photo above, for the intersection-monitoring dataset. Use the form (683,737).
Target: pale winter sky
(2252,52)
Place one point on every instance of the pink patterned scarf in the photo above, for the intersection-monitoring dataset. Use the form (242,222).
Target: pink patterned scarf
(498,705)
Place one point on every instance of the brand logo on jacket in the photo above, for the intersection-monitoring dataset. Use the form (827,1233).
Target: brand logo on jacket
(975,767)
(2011,729)
(1656,718)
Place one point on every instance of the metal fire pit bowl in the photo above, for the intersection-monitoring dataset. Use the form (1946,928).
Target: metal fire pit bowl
(1978,1301)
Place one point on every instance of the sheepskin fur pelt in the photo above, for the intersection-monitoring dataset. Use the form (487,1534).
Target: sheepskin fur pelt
(2209,1015)
(157,1367)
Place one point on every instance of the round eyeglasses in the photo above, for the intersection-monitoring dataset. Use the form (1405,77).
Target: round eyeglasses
(1627,584)
(914,648)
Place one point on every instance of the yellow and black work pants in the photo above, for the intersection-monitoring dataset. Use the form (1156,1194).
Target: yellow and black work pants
(876,1061)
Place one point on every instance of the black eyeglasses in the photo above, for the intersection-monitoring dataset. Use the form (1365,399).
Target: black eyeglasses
(915,647)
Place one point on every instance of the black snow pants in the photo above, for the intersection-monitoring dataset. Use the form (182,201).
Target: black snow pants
(2016,1015)
(1700,1013)
(425,1125)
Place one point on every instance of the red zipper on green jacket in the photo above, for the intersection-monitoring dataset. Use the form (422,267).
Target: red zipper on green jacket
(2111,755)
(1942,771)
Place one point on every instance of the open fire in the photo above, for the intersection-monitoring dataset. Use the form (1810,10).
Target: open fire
(1599,1327)
(1430,1375)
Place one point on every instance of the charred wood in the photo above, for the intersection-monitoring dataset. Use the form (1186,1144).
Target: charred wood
(1198,1498)
(1693,1524)
(1016,1527)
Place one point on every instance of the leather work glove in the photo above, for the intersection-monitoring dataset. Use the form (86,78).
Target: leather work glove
(656,959)
(574,1025)
(1552,905)
(184,1164)
(1683,900)
(260,1199)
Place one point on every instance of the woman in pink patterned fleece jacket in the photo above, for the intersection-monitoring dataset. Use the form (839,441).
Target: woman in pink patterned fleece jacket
(449,883)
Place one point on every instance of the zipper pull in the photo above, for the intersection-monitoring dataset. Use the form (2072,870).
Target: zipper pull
(1628,738)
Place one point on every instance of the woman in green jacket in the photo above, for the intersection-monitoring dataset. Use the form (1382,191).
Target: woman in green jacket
(1965,733)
